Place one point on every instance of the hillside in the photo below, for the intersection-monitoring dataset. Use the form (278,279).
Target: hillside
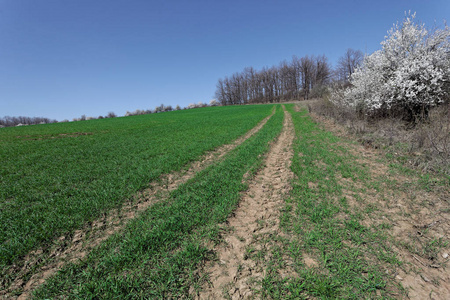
(236,202)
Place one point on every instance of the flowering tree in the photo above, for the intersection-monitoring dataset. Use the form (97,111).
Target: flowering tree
(409,74)
(214,102)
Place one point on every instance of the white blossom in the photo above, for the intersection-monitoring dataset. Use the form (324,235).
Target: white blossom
(411,70)
(213,102)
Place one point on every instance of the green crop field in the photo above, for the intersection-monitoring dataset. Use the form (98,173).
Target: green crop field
(160,251)
(333,230)
(54,178)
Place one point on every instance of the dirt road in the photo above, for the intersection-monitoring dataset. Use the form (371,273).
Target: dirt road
(234,275)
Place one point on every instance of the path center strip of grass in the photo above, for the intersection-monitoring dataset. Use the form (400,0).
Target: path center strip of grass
(159,252)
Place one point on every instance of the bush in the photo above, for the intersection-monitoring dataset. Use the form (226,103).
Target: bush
(426,145)
(319,91)
(111,115)
(408,76)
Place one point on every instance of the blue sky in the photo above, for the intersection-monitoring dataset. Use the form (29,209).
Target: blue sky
(65,58)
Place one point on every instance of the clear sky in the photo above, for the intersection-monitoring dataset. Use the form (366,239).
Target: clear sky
(64,58)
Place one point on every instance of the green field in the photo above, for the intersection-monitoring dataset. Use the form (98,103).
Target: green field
(56,177)
(334,237)
(161,250)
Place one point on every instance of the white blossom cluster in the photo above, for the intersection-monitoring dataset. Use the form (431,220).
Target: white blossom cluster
(214,102)
(196,105)
(411,70)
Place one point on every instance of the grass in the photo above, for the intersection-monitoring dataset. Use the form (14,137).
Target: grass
(352,260)
(337,224)
(54,178)
(423,146)
(159,253)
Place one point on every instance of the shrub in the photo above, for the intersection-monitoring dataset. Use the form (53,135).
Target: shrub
(111,115)
(408,76)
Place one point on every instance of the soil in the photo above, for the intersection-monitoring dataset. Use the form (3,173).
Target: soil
(41,264)
(234,274)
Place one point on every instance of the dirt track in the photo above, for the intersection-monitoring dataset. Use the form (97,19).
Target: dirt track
(234,275)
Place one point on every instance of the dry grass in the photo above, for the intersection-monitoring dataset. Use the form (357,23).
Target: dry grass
(425,146)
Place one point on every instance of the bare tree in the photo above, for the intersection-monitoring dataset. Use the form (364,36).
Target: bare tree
(111,115)
(323,70)
(307,71)
(321,77)
(348,63)
(288,80)
(277,83)
(220,92)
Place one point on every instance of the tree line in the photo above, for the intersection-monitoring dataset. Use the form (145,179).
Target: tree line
(17,121)
(301,78)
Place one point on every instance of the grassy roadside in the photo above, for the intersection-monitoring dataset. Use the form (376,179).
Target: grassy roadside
(334,253)
(159,253)
(54,178)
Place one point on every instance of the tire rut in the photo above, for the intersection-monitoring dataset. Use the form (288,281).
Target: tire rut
(235,275)
(39,264)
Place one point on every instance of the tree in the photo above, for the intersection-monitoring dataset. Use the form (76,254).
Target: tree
(111,115)
(322,71)
(213,102)
(408,76)
(275,83)
(307,71)
(348,63)
(14,121)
